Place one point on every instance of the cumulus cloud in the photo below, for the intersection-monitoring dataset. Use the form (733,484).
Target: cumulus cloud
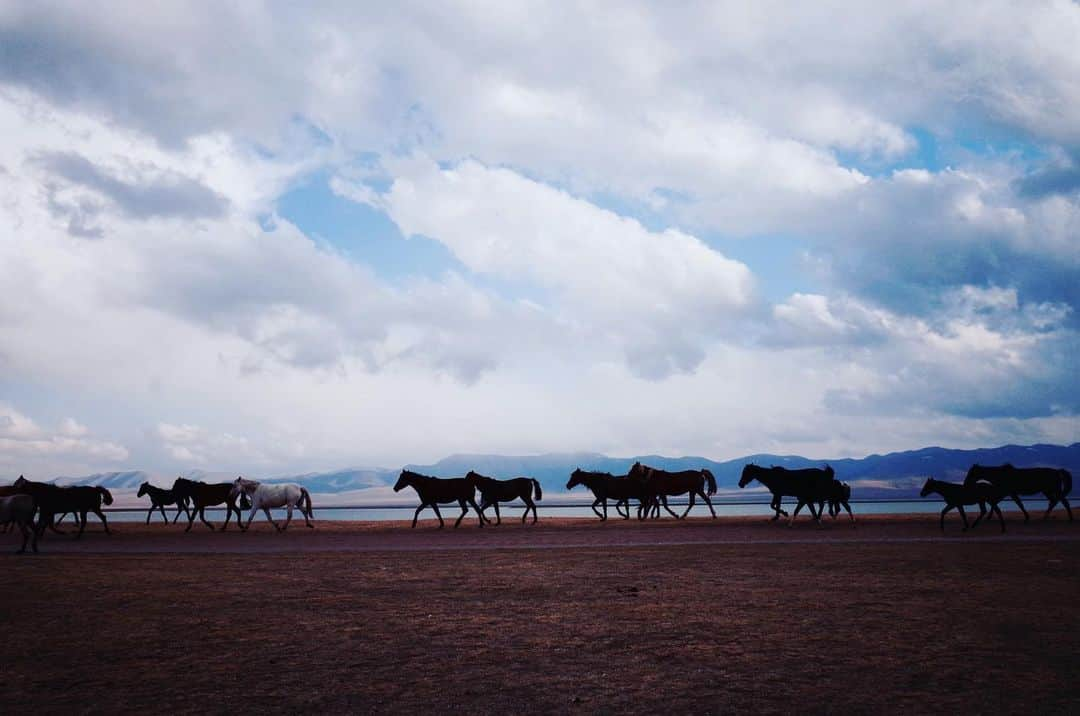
(584,169)
(657,293)
(26,446)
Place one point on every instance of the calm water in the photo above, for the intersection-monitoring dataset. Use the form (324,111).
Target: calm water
(513,510)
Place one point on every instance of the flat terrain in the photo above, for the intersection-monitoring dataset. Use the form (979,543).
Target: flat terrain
(700,616)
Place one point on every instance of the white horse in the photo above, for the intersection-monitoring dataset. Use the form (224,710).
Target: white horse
(287,495)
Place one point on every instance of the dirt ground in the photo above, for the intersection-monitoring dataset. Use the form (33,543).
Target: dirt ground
(697,617)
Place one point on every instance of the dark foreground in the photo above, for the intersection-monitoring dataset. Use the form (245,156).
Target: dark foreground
(865,625)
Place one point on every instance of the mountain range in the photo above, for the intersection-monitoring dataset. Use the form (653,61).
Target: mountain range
(898,474)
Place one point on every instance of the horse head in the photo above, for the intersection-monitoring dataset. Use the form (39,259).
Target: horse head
(638,472)
(143,489)
(747,476)
(928,487)
(404,480)
(577,477)
(21,482)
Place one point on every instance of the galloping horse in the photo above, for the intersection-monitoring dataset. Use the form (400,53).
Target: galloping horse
(493,491)
(203,495)
(1015,481)
(159,498)
(661,484)
(434,491)
(19,510)
(264,496)
(810,486)
(78,500)
(957,495)
(606,486)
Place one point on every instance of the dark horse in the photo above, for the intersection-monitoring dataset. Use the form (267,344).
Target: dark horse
(957,495)
(434,491)
(810,486)
(493,491)
(203,495)
(606,486)
(838,499)
(79,500)
(661,484)
(159,498)
(1055,484)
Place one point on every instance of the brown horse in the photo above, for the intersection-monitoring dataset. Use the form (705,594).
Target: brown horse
(661,484)
(1053,483)
(203,495)
(434,491)
(493,491)
(605,486)
(19,510)
(79,500)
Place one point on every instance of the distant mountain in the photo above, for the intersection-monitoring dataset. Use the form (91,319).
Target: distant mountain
(898,474)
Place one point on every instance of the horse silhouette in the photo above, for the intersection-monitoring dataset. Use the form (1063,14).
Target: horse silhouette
(809,486)
(661,484)
(434,491)
(203,495)
(839,498)
(78,500)
(493,491)
(1054,483)
(957,495)
(160,497)
(605,486)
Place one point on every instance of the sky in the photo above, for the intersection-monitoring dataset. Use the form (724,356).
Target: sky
(279,237)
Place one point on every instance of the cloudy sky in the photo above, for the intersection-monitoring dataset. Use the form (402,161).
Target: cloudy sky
(274,239)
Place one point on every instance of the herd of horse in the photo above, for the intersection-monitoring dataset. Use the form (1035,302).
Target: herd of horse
(34,507)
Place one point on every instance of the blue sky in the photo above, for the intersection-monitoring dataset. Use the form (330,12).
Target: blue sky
(274,239)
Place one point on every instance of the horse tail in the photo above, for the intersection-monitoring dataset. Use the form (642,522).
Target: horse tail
(1066,482)
(106,496)
(536,488)
(305,496)
(712,480)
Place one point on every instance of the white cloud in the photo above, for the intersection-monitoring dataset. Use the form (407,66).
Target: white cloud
(645,290)
(27,448)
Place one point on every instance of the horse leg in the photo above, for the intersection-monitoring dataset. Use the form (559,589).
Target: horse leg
(1051,501)
(708,502)
(149,513)
(1016,499)
(994,508)
(963,516)
(417,514)
(202,516)
(498,515)
(472,503)
(435,506)
(101,516)
(947,508)
(1067,508)
(270,519)
(624,510)
(464,511)
(982,513)
(25,537)
(663,498)
(775,505)
(82,525)
(528,504)
(799,506)
(689,505)
(191,518)
(288,516)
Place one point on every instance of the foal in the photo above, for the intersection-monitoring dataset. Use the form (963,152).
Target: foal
(159,498)
(493,491)
(957,495)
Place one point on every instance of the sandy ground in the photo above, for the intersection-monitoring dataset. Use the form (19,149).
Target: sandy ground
(708,617)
